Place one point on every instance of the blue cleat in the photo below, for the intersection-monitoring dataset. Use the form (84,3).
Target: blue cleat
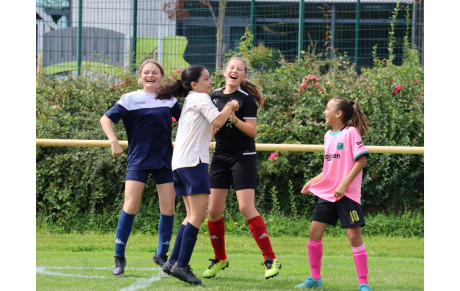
(312,282)
(364,287)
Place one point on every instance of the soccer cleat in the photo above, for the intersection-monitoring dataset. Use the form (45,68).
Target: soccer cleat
(273,268)
(310,282)
(166,268)
(185,274)
(119,268)
(364,287)
(215,267)
(160,260)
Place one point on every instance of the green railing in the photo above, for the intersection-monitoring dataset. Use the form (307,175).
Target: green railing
(102,35)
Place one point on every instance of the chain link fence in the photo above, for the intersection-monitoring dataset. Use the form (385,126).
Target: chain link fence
(103,35)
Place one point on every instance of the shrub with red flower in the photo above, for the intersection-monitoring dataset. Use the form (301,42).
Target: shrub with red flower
(273,157)
(397,89)
(309,80)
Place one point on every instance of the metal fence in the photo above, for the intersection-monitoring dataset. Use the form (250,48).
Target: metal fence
(100,35)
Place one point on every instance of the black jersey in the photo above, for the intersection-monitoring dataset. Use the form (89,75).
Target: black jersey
(229,139)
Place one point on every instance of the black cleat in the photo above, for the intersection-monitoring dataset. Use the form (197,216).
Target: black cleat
(185,274)
(160,260)
(119,268)
(166,268)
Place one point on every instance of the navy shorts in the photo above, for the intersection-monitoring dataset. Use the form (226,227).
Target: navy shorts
(160,176)
(347,210)
(227,170)
(192,180)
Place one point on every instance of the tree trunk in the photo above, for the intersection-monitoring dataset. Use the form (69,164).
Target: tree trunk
(220,57)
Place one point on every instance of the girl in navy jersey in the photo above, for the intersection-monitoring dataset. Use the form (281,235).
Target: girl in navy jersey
(191,159)
(147,121)
(235,162)
(338,188)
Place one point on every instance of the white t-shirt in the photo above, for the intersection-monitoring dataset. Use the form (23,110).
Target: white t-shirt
(195,131)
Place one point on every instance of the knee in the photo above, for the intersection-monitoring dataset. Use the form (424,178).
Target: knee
(247,211)
(198,218)
(355,239)
(214,214)
(167,210)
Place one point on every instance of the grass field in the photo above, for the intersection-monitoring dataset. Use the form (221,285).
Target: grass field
(84,262)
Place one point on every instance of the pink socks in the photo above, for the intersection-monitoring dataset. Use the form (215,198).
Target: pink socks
(315,253)
(360,256)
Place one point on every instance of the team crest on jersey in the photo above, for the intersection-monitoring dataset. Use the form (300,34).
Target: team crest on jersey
(340,146)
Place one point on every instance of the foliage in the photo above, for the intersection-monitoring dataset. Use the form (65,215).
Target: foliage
(82,188)
(258,56)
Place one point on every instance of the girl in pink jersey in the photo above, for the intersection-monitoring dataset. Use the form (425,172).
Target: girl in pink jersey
(338,188)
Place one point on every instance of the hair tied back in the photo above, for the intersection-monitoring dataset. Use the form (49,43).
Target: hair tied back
(351,102)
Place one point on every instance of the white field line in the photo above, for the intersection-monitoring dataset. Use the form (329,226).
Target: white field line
(141,283)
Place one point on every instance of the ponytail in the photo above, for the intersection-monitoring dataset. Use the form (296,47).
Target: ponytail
(182,87)
(175,89)
(352,111)
(254,90)
(360,121)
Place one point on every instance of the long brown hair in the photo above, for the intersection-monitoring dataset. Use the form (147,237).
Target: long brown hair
(352,111)
(182,87)
(247,85)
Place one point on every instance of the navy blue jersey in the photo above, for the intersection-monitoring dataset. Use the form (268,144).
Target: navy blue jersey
(229,139)
(148,126)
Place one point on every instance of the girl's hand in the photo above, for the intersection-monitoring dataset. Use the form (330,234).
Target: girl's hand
(236,106)
(116,149)
(214,130)
(340,191)
(305,188)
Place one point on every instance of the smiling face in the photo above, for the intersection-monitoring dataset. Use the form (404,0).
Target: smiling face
(204,83)
(333,117)
(150,77)
(235,73)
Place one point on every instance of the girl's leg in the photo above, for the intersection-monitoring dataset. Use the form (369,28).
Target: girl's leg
(256,223)
(133,194)
(359,253)
(166,197)
(198,204)
(315,248)
(180,234)
(216,224)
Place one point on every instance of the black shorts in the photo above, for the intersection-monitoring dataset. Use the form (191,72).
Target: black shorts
(228,170)
(347,210)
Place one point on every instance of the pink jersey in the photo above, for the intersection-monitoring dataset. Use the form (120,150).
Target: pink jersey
(341,149)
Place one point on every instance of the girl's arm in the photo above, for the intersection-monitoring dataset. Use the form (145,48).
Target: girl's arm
(107,126)
(220,120)
(309,183)
(357,168)
(248,126)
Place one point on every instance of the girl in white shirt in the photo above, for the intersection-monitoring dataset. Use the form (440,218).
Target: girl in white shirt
(191,160)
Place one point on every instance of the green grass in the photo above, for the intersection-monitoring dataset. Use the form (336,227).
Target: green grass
(84,262)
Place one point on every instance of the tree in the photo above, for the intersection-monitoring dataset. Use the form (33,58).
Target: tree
(176,10)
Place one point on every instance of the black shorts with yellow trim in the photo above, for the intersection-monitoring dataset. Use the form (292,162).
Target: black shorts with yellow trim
(349,212)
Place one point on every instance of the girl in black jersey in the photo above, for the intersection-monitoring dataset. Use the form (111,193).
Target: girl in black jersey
(235,162)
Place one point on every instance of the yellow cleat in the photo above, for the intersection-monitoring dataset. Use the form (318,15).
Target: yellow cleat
(215,267)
